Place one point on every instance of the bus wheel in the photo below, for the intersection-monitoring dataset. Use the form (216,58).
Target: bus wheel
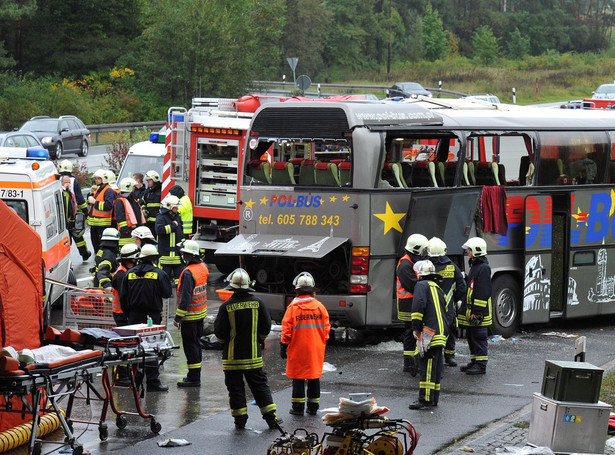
(506,305)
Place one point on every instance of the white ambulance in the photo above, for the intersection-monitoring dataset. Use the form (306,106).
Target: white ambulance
(28,185)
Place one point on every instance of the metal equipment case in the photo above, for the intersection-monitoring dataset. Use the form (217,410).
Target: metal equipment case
(568,427)
(571,381)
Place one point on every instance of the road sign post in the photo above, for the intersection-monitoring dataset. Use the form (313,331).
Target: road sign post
(292,61)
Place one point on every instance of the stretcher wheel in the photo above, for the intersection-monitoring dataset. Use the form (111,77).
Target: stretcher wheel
(155,426)
(121,422)
(77,449)
(38,448)
(103,432)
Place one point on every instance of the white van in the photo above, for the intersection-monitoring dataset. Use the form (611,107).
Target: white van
(144,156)
(28,185)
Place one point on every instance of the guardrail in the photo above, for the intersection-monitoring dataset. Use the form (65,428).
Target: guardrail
(288,88)
(95,130)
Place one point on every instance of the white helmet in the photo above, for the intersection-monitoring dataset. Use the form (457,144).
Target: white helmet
(305,282)
(130,251)
(127,184)
(110,234)
(66,166)
(239,279)
(416,243)
(100,173)
(142,232)
(152,175)
(148,251)
(436,247)
(477,245)
(169,202)
(108,176)
(190,247)
(424,268)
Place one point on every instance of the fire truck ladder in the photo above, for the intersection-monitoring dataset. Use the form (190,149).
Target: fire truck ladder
(179,151)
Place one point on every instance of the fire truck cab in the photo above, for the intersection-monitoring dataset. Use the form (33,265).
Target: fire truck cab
(28,185)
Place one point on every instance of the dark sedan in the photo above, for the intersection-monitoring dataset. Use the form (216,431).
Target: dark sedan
(407,90)
(59,135)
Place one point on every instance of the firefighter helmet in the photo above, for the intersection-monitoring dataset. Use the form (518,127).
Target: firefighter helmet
(477,245)
(170,202)
(108,176)
(239,279)
(190,247)
(100,173)
(436,247)
(148,252)
(130,251)
(66,166)
(127,184)
(304,282)
(424,268)
(110,234)
(416,243)
(152,175)
(142,232)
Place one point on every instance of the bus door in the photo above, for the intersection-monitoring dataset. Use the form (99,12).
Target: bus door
(538,259)
(447,214)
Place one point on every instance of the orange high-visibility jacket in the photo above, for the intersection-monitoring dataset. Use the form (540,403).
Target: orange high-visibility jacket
(305,328)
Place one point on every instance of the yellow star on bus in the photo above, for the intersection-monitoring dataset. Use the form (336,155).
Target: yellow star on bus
(250,203)
(390,218)
(263,201)
(332,199)
(345,198)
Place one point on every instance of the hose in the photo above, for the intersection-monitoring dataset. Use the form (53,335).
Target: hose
(20,435)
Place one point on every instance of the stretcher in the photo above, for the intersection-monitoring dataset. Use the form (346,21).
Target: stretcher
(40,386)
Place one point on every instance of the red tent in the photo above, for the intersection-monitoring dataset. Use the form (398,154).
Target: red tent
(21,291)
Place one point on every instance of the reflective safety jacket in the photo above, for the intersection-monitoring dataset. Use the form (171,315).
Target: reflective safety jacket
(143,288)
(429,310)
(101,211)
(105,264)
(242,324)
(116,282)
(127,214)
(170,232)
(75,188)
(151,202)
(185,213)
(70,206)
(305,329)
(405,280)
(478,300)
(451,280)
(192,293)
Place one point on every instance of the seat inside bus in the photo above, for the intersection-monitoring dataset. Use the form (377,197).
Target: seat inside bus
(282,173)
(306,172)
(345,173)
(326,174)
(486,173)
(391,172)
(259,170)
(424,174)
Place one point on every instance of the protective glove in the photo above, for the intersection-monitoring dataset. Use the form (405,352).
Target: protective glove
(91,200)
(175,323)
(283,349)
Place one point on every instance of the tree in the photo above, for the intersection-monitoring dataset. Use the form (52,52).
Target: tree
(517,45)
(434,35)
(452,45)
(12,15)
(485,45)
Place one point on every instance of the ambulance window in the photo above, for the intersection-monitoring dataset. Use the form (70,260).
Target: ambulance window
(51,215)
(20,207)
(60,211)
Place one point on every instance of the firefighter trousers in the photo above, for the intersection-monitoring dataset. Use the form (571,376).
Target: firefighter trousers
(257,381)
(477,342)
(313,394)
(430,371)
(192,331)
(81,245)
(95,235)
(449,348)
(174,271)
(409,340)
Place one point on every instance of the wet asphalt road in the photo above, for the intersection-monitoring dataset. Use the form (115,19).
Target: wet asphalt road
(466,405)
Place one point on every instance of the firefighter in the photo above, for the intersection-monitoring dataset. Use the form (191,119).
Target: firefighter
(127,212)
(66,168)
(70,211)
(139,188)
(305,331)
(475,311)
(454,287)
(430,324)
(151,198)
(105,262)
(128,259)
(100,213)
(406,279)
(191,310)
(242,324)
(141,294)
(112,181)
(185,209)
(143,236)
(170,233)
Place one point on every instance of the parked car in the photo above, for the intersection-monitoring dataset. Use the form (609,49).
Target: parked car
(59,135)
(604,92)
(20,139)
(489,98)
(407,90)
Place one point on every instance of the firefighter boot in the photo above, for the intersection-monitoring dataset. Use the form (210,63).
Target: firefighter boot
(449,360)
(465,368)
(296,410)
(411,365)
(272,421)
(240,422)
(312,409)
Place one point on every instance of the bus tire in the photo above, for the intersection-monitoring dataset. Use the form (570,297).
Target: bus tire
(506,306)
